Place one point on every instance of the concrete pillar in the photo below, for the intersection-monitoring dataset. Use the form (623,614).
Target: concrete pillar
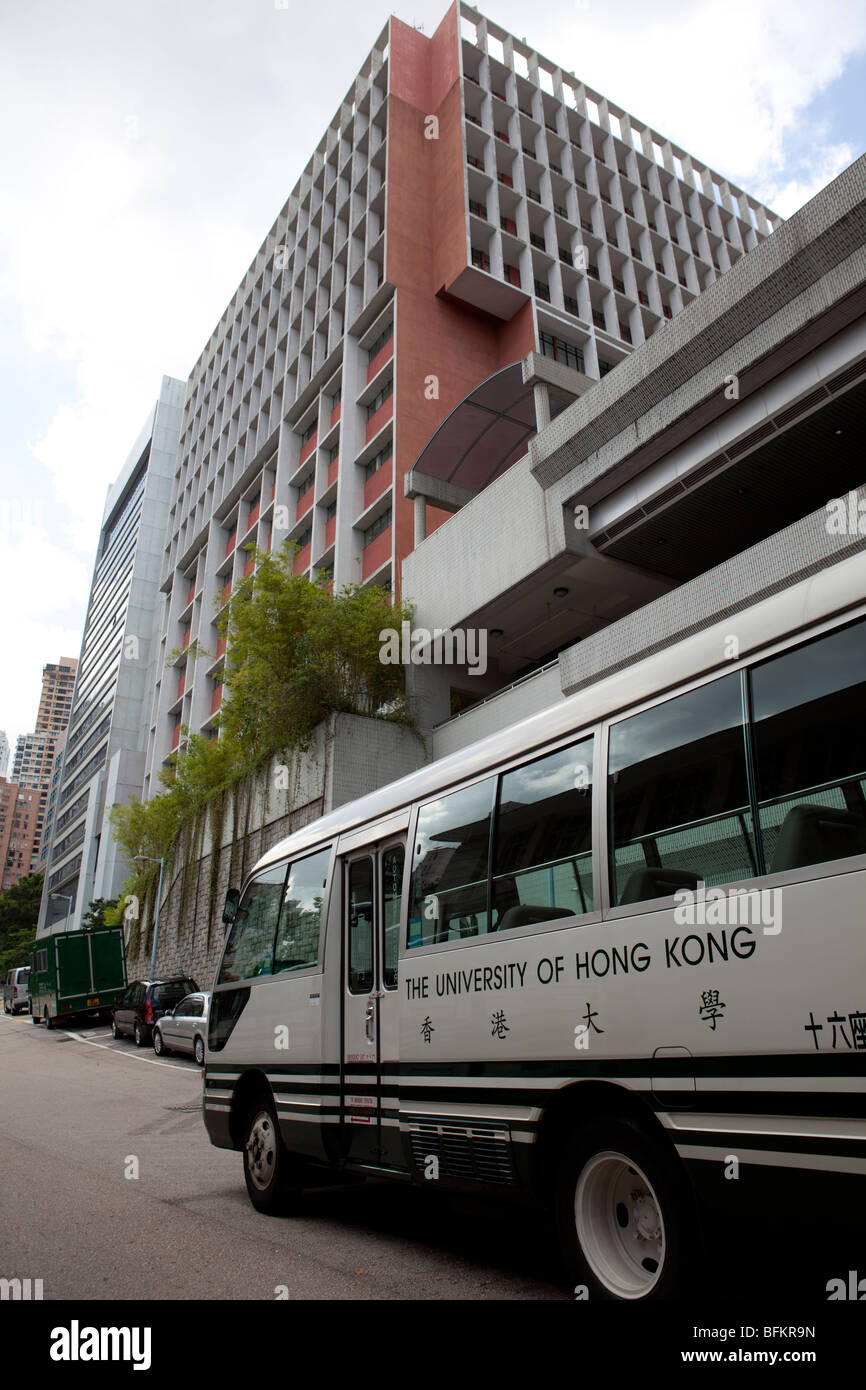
(420,519)
(542,406)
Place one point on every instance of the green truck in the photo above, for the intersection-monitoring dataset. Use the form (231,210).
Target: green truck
(76,973)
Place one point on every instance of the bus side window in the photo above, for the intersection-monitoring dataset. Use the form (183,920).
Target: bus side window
(393,861)
(678,795)
(449,866)
(249,950)
(300,926)
(810,750)
(542,866)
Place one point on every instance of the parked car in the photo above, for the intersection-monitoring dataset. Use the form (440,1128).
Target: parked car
(16,990)
(184,1028)
(144,1002)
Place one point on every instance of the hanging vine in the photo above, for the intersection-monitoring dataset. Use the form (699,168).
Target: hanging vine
(296,655)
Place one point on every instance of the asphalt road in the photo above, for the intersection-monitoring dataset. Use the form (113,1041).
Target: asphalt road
(76,1108)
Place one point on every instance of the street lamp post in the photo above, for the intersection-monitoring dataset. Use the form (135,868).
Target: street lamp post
(160,862)
(69,902)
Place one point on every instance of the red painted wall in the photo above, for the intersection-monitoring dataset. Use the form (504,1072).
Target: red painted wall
(426,250)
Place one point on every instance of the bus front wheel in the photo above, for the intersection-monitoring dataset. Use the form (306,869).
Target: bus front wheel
(271,1174)
(624,1214)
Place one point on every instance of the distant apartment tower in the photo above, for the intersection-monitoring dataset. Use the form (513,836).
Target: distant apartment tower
(103,756)
(35,753)
(4,754)
(470,202)
(19,811)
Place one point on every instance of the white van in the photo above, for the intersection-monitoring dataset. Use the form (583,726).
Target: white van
(16,991)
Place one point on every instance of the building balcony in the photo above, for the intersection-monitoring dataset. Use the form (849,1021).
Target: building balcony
(382,356)
(378,420)
(175,738)
(378,483)
(216,699)
(305,502)
(308,447)
(330,532)
(301,562)
(230,544)
(377,553)
(249,566)
(335,415)
(333,470)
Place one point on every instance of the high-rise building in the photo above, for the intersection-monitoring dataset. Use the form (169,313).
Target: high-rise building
(4,753)
(35,753)
(103,755)
(471,202)
(19,809)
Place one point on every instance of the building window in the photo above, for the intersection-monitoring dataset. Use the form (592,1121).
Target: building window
(308,434)
(305,484)
(384,337)
(561,351)
(383,457)
(604,367)
(376,528)
(380,399)
(330,512)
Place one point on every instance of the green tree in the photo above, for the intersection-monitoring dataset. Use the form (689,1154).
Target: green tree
(19,912)
(296,653)
(98,912)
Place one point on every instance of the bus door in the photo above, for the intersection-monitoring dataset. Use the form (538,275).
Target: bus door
(372,890)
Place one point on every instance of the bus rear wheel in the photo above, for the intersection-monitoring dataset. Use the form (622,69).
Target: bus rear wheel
(624,1214)
(272,1175)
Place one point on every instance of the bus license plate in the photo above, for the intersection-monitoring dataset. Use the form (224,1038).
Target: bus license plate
(91,1003)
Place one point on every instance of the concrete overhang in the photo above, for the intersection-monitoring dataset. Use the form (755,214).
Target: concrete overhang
(789,322)
(793,292)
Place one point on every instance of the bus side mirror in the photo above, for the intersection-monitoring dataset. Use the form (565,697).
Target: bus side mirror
(230,910)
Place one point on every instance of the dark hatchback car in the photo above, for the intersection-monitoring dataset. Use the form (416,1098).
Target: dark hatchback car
(143,1003)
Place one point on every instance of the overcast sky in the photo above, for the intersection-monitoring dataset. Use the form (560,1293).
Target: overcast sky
(145,150)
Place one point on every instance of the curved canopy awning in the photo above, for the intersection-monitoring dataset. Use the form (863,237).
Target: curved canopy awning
(485,434)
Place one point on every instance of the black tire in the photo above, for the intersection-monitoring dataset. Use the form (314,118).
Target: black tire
(625,1214)
(115,1031)
(273,1177)
(198,1051)
(159,1046)
(138,1034)
(34,1018)
(48,1020)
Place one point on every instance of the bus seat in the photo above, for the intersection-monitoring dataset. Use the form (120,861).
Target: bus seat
(524,915)
(656,883)
(812,834)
